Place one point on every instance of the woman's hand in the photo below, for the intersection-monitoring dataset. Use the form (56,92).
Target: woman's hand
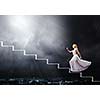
(67,49)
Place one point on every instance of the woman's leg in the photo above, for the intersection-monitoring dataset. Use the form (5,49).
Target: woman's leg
(71,65)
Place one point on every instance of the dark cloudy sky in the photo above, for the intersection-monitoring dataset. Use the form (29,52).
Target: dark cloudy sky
(85,30)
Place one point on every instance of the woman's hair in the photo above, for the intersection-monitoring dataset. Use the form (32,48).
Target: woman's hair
(74,45)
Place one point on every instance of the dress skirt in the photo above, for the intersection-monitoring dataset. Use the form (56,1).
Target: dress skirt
(77,64)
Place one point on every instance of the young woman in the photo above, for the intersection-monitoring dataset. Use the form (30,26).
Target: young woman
(76,63)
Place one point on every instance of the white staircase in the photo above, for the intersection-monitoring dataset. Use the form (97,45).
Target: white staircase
(47,60)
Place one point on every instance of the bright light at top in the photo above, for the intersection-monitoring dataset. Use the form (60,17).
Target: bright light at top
(20,27)
(20,23)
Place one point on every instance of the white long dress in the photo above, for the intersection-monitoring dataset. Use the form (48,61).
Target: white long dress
(77,64)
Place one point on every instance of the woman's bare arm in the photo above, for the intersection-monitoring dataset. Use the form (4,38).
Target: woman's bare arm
(68,50)
(78,53)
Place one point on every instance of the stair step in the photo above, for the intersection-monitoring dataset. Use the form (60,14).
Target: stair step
(63,68)
(18,53)
(5,49)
